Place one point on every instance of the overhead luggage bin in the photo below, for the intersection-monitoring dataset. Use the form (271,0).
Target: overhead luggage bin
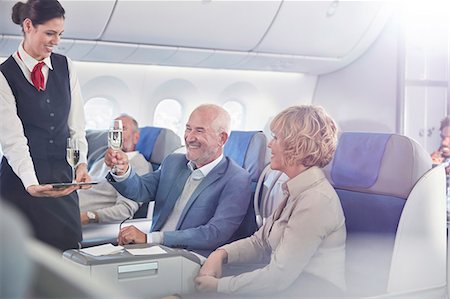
(338,27)
(223,25)
(9,45)
(86,19)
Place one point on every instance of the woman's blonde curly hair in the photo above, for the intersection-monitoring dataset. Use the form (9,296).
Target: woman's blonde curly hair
(307,134)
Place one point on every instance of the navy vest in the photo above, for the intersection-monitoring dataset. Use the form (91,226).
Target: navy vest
(43,114)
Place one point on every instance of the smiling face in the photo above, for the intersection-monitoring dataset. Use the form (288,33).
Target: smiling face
(445,142)
(277,152)
(40,40)
(204,140)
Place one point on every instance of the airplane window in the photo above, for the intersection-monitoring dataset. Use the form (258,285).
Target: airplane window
(168,114)
(426,33)
(236,111)
(99,112)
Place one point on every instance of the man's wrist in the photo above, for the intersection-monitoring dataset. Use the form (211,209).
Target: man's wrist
(92,217)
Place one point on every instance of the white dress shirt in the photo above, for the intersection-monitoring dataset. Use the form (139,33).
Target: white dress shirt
(12,137)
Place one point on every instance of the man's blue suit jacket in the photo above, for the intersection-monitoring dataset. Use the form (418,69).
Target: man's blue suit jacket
(212,214)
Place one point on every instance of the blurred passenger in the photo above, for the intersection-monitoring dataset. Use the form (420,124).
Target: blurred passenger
(103,203)
(303,241)
(41,106)
(201,198)
(442,154)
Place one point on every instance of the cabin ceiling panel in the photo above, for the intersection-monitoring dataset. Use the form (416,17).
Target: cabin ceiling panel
(320,28)
(288,63)
(110,52)
(80,49)
(187,57)
(221,59)
(225,25)
(150,54)
(64,46)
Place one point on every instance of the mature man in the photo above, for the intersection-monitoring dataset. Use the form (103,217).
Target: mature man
(201,198)
(102,203)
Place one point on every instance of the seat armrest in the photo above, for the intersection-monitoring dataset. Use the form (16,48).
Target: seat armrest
(101,233)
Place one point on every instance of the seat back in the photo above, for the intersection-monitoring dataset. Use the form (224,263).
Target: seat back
(157,143)
(373,175)
(268,193)
(248,150)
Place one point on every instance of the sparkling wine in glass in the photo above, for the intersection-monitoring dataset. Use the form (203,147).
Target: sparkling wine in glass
(115,138)
(72,155)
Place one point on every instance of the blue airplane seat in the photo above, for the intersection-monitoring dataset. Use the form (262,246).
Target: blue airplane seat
(386,186)
(248,150)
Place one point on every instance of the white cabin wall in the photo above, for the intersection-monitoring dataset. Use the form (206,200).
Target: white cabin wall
(363,95)
(138,89)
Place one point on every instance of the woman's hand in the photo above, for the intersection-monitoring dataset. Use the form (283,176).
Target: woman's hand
(49,191)
(82,175)
(206,283)
(213,264)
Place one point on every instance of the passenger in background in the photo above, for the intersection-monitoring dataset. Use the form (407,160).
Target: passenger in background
(442,154)
(103,203)
(201,198)
(41,106)
(304,239)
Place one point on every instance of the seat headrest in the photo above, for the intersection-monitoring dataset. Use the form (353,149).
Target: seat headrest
(388,164)
(147,141)
(248,150)
(157,143)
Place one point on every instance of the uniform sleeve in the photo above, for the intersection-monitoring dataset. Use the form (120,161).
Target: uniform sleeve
(76,120)
(12,137)
(124,208)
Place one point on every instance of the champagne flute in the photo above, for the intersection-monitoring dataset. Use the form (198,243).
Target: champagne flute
(72,155)
(115,138)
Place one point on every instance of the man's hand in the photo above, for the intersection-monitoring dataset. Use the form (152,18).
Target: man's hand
(117,161)
(131,234)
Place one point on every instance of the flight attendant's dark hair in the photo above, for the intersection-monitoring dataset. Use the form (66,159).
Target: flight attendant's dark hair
(38,11)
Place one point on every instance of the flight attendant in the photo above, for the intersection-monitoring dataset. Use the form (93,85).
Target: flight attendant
(40,107)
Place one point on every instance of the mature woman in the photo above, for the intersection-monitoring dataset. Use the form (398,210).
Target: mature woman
(304,239)
(41,106)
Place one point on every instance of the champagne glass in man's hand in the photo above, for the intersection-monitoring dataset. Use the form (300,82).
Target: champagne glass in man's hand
(115,138)
(72,155)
